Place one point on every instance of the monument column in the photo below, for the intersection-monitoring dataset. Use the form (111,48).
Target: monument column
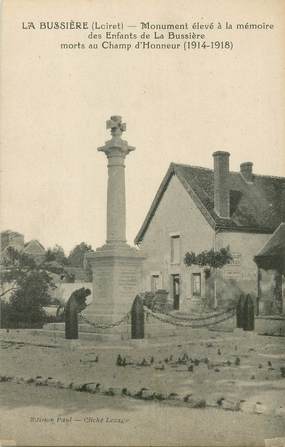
(116,266)
(116,150)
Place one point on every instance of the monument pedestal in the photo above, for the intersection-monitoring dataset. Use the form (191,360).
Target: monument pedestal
(116,269)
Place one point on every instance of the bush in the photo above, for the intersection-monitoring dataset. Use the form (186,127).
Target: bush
(156,301)
(31,287)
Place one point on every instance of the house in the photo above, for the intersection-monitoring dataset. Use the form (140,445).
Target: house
(197,209)
(16,240)
(35,249)
(10,238)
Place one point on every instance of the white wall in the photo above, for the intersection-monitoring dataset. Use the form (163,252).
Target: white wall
(176,213)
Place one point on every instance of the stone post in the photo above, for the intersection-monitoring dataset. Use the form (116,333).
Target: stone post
(75,304)
(248,316)
(137,318)
(240,312)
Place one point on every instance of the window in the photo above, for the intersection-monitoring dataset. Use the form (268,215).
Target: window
(175,249)
(155,282)
(196,284)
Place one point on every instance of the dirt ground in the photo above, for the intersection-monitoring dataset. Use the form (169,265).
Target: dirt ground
(240,366)
(80,419)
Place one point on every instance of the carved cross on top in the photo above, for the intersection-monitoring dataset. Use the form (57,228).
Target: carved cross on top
(116,126)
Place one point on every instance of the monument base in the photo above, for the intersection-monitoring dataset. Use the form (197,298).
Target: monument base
(116,269)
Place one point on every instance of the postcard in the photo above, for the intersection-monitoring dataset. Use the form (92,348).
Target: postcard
(142,218)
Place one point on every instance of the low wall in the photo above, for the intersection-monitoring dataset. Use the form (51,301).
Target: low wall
(270,325)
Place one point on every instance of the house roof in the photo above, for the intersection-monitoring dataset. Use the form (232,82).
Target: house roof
(254,207)
(275,245)
(34,242)
(272,255)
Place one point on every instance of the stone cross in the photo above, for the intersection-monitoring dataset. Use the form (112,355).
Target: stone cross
(116,126)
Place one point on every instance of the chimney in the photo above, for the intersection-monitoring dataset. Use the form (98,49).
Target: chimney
(221,184)
(246,171)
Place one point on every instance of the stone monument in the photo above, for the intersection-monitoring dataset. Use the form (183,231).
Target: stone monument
(116,266)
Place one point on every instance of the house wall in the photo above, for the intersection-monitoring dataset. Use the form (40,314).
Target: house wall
(176,214)
(243,270)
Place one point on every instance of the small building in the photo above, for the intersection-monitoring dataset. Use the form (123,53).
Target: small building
(35,249)
(10,238)
(198,209)
(16,240)
(271,263)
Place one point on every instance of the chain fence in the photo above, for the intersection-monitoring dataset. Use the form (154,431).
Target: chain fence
(186,322)
(207,317)
(107,325)
(191,323)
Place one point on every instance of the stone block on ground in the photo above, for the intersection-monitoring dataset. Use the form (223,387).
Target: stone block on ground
(247,406)
(174,396)
(6,378)
(113,391)
(53,382)
(147,394)
(260,408)
(215,400)
(41,381)
(76,386)
(92,387)
(64,384)
(130,392)
(28,380)
(230,404)
(160,396)
(194,401)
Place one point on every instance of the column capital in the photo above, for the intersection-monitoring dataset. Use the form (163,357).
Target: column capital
(116,147)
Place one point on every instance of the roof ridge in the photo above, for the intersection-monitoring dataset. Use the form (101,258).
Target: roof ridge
(186,165)
(191,166)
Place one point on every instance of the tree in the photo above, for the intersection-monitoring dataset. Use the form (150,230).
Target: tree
(214,259)
(77,254)
(30,286)
(211,258)
(56,254)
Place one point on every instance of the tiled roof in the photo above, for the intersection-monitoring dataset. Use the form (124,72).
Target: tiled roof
(254,207)
(272,255)
(275,246)
(34,241)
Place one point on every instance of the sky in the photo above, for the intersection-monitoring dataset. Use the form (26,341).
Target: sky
(178,107)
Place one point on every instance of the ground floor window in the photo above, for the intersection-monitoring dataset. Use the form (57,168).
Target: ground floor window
(196,284)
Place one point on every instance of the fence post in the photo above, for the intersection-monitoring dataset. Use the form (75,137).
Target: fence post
(240,311)
(71,320)
(75,304)
(137,316)
(248,318)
